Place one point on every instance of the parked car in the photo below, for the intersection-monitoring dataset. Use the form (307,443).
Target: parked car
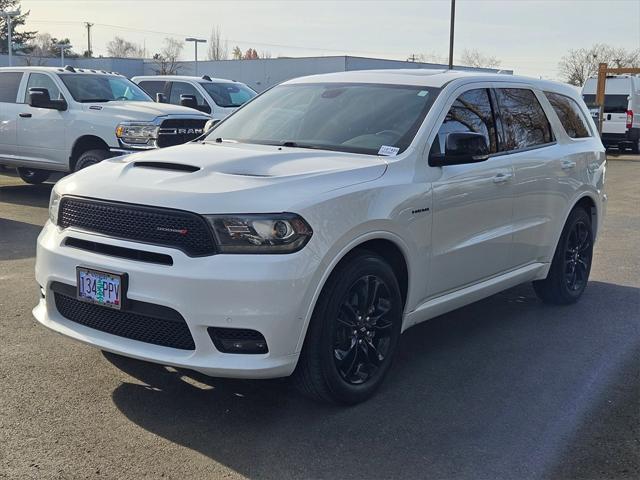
(324,218)
(216,96)
(621,120)
(65,119)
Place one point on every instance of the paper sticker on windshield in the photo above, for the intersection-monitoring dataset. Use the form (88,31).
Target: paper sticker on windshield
(388,151)
(423,93)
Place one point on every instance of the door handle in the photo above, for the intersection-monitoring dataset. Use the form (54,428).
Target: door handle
(502,177)
(568,164)
(25,115)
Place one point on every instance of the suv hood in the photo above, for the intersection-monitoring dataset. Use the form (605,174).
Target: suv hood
(223,178)
(143,111)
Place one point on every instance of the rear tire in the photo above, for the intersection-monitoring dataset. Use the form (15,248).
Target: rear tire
(571,263)
(91,157)
(33,176)
(353,332)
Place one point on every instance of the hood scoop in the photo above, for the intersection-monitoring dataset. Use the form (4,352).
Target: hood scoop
(179,167)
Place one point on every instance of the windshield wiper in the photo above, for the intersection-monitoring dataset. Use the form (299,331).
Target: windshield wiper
(94,100)
(299,145)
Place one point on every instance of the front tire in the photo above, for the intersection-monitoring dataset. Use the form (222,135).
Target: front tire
(353,332)
(91,157)
(571,263)
(33,176)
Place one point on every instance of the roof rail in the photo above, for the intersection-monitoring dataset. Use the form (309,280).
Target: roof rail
(206,77)
(69,68)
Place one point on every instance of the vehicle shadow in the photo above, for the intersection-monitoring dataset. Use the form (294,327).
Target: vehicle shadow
(17,239)
(26,195)
(497,389)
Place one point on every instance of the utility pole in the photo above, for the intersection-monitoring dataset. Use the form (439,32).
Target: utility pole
(195,42)
(451,28)
(8,16)
(89,51)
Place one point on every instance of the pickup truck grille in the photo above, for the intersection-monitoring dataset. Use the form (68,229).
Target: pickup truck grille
(177,131)
(185,231)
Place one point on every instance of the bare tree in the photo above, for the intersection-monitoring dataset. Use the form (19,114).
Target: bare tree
(427,57)
(121,48)
(477,59)
(167,59)
(578,65)
(265,54)
(43,46)
(218,48)
(250,54)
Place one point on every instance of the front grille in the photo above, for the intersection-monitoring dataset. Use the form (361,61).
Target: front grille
(185,231)
(177,131)
(172,333)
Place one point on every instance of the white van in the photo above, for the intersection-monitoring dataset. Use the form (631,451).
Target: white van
(621,122)
(216,96)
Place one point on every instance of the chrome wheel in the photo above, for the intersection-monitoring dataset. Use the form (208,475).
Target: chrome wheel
(362,332)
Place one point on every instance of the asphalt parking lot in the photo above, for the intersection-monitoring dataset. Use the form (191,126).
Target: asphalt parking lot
(507,388)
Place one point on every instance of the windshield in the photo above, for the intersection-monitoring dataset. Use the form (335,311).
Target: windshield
(356,117)
(228,94)
(102,88)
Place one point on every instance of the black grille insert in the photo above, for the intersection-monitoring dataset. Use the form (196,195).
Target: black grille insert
(176,131)
(185,231)
(238,340)
(168,329)
(121,252)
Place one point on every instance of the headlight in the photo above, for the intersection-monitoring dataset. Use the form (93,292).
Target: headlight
(268,233)
(138,132)
(54,205)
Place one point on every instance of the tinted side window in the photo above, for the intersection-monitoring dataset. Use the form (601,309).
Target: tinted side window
(9,83)
(471,112)
(183,88)
(153,87)
(570,115)
(612,103)
(524,121)
(40,80)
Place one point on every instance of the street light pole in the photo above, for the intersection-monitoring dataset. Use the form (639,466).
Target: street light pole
(61,46)
(196,41)
(451,28)
(9,18)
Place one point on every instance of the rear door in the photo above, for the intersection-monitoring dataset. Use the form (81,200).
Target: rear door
(42,131)
(473,203)
(9,110)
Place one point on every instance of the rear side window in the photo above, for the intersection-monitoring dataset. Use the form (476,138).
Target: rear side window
(152,87)
(524,121)
(471,112)
(9,83)
(570,115)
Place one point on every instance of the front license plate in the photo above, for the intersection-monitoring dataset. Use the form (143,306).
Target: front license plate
(100,288)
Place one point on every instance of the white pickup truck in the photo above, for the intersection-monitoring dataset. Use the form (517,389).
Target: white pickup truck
(65,119)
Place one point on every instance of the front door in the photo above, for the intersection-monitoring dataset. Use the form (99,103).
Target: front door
(41,131)
(472,203)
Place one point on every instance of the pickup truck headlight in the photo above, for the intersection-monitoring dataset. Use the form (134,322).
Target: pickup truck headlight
(260,233)
(137,132)
(54,206)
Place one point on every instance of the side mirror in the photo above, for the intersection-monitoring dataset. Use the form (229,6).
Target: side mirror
(461,148)
(188,101)
(161,97)
(39,98)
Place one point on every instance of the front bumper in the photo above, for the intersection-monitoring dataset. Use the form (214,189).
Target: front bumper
(267,293)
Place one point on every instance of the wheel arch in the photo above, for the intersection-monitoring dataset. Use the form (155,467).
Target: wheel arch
(386,244)
(83,144)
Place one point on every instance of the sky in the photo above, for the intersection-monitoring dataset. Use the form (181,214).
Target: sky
(528,36)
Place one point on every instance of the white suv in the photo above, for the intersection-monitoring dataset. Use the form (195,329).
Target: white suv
(217,97)
(65,119)
(318,222)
